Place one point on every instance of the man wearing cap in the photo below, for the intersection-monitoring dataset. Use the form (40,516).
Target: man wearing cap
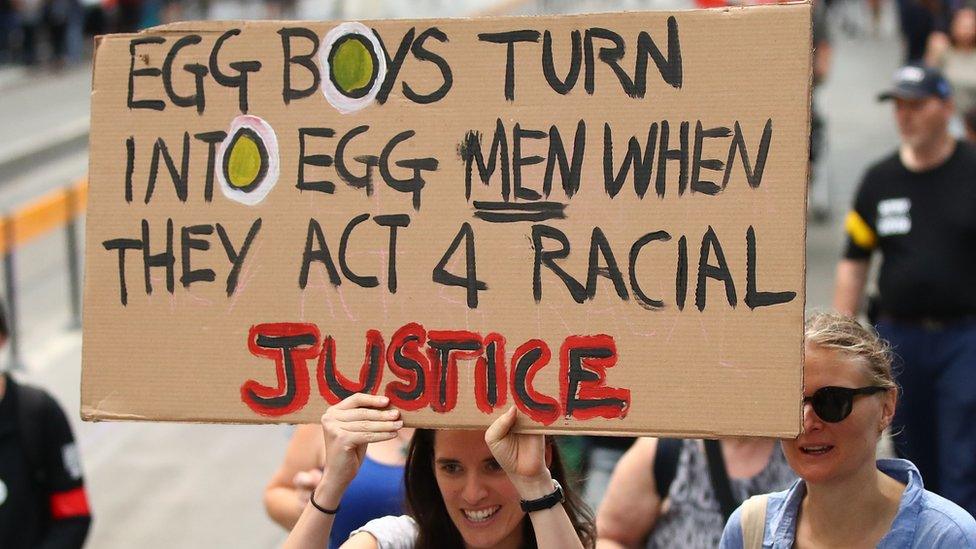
(918,208)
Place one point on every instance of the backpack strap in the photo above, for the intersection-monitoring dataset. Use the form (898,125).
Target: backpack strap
(720,478)
(666,464)
(31,404)
(753,521)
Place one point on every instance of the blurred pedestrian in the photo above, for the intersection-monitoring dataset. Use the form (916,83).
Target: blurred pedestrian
(94,19)
(7,26)
(845,497)
(280,9)
(30,15)
(954,52)
(679,493)
(128,15)
(819,175)
(918,19)
(62,18)
(376,491)
(42,495)
(917,208)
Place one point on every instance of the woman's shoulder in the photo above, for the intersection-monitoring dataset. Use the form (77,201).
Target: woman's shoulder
(941,519)
(933,520)
(391,532)
(776,503)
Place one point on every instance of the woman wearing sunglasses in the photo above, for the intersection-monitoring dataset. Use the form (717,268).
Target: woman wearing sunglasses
(845,498)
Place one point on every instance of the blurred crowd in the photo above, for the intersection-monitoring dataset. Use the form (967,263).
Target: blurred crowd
(947,41)
(35,31)
(54,33)
(942,34)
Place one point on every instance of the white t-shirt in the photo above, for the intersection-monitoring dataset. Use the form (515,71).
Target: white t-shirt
(391,532)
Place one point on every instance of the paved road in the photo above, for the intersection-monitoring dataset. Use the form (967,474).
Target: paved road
(176,485)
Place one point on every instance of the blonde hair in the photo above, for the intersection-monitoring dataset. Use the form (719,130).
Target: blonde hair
(846,335)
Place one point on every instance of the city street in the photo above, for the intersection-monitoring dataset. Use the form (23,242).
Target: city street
(161,485)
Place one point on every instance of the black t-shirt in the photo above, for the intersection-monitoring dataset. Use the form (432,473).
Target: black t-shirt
(924,224)
(42,503)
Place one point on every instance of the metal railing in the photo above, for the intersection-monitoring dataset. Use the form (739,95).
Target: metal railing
(58,209)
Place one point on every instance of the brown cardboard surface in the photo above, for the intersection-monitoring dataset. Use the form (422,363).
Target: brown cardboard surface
(631,357)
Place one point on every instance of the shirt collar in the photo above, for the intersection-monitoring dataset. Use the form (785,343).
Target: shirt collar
(906,521)
(783,523)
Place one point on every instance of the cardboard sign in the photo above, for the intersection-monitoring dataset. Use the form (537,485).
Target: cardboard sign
(598,219)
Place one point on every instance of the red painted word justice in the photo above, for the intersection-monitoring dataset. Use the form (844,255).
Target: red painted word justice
(425,364)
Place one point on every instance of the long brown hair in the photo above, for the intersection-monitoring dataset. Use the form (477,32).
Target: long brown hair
(436,529)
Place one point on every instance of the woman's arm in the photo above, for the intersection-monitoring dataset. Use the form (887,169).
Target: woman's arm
(523,457)
(631,504)
(347,428)
(291,485)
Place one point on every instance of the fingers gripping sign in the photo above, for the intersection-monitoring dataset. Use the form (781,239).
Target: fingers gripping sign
(524,457)
(348,427)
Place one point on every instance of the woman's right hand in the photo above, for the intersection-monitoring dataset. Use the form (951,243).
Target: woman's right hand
(348,427)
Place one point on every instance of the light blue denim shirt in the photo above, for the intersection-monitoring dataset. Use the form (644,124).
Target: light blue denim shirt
(924,519)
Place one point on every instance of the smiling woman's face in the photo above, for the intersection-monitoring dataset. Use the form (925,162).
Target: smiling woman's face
(828,452)
(480,499)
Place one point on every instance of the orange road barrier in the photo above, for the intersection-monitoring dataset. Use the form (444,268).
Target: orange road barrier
(45,214)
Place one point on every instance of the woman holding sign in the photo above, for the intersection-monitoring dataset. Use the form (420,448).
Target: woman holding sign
(493,489)
(845,498)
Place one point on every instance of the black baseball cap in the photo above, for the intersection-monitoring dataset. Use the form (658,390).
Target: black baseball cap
(917,82)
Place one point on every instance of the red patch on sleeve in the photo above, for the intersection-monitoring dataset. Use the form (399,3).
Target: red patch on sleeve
(71,503)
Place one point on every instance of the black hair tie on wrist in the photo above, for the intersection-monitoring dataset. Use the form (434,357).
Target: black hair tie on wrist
(320,508)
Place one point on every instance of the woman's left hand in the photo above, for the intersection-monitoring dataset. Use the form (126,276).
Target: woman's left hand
(522,456)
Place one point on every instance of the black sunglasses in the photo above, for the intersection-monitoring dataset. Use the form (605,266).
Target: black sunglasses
(834,404)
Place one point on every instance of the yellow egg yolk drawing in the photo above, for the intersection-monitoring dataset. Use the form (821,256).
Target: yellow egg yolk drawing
(353,66)
(247,160)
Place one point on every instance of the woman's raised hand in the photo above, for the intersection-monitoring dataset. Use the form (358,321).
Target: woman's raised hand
(349,427)
(522,456)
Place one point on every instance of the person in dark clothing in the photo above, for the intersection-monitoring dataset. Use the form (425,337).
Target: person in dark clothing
(7,26)
(42,496)
(919,19)
(916,207)
(59,17)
